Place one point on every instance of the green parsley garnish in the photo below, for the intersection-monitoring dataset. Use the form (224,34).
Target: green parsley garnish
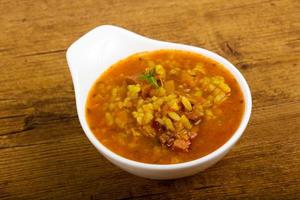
(149,76)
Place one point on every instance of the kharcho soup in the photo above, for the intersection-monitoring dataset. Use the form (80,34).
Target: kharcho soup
(165,107)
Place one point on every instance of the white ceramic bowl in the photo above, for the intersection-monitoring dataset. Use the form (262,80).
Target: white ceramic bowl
(103,46)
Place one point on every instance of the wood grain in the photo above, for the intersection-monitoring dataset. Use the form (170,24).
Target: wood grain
(44,153)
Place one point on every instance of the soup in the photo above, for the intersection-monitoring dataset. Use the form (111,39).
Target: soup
(164,107)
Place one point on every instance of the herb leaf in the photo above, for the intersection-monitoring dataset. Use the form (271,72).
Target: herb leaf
(149,76)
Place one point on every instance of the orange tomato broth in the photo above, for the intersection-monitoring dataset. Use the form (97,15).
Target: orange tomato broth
(212,133)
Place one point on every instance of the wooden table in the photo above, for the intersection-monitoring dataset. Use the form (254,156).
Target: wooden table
(44,153)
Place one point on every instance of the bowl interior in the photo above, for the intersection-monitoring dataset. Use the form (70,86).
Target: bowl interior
(97,50)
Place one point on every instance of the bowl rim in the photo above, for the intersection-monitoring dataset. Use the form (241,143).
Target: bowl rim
(109,154)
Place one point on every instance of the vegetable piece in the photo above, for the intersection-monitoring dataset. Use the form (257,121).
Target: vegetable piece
(138,116)
(109,118)
(135,133)
(224,87)
(219,98)
(198,92)
(168,123)
(209,114)
(200,68)
(159,70)
(170,86)
(133,90)
(147,118)
(174,116)
(187,79)
(185,121)
(186,103)
(173,103)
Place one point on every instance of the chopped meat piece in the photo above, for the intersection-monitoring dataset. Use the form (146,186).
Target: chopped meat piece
(158,127)
(146,89)
(170,142)
(183,134)
(163,138)
(167,138)
(130,81)
(180,144)
(177,141)
(192,116)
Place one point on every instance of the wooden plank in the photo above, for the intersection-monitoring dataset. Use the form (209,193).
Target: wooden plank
(44,152)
